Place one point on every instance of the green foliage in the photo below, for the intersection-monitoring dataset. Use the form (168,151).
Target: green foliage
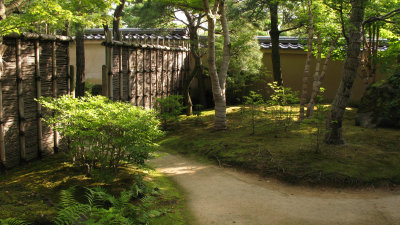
(169,108)
(245,67)
(100,207)
(148,14)
(316,125)
(253,102)
(101,132)
(12,221)
(56,14)
(282,95)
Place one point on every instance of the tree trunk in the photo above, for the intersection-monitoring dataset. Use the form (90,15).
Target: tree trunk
(80,63)
(351,64)
(218,81)
(315,78)
(303,98)
(274,33)
(117,19)
(317,83)
(195,55)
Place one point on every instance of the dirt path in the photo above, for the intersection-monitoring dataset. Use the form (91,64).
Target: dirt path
(225,196)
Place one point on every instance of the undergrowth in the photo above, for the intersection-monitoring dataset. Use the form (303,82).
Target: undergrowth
(52,191)
(293,152)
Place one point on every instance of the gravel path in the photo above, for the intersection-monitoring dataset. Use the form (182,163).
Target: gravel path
(225,196)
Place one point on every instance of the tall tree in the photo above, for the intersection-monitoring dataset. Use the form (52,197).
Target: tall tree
(218,79)
(117,19)
(306,75)
(335,118)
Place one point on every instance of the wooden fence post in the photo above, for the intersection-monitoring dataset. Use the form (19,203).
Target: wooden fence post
(144,73)
(136,77)
(168,71)
(150,73)
(20,95)
(157,59)
(120,76)
(54,86)
(109,64)
(2,144)
(72,80)
(38,95)
(104,79)
(162,67)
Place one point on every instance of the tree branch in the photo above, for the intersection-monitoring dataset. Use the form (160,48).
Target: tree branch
(383,17)
(292,28)
(10,8)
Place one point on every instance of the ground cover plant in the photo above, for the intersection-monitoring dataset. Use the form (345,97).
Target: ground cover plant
(45,191)
(370,156)
(101,178)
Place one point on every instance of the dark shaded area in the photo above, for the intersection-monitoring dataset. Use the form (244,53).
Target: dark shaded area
(380,105)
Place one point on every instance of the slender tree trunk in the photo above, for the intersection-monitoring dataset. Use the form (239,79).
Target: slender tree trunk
(218,80)
(274,33)
(80,63)
(318,81)
(195,55)
(117,19)
(303,98)
(351,64)
(2,51)
(316,76)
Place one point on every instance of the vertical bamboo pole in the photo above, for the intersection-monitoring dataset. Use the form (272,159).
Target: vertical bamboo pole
(173,73)
(144,74)
(167,78)
(162,68)
(150,74)
(181,66)
(120,75)
(72,80)
(129,71)
(20,95)
(157,59)
(54,81)
(136,77)
(2,144)
(38,84)
(68,71)
(109,64)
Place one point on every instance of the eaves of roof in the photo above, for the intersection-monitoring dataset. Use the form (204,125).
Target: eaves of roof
(140,33)
(296,43)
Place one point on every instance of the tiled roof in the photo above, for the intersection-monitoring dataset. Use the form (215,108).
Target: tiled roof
(140,33)
(296,43)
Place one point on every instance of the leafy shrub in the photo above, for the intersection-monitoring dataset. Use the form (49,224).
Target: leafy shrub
(169,108)
(101,132)
(282,95)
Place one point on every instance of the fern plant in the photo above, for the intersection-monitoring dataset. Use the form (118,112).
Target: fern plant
(100,207)
(12,221)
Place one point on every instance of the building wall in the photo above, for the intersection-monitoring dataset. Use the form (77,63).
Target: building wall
(293,62)
(95,58)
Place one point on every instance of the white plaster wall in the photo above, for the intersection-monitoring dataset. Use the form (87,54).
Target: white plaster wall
(94,59)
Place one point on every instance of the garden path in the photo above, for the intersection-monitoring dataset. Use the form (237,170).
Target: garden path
(225,196)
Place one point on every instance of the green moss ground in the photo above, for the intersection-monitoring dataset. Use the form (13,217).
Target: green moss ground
(31,192)
(369,157)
